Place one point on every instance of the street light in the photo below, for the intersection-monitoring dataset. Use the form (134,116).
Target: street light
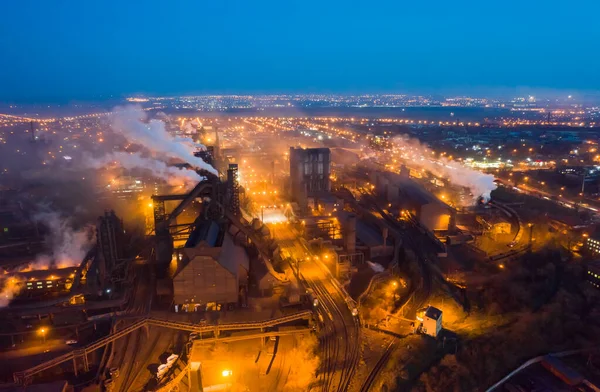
(530,225)
(42,332)
(226,373)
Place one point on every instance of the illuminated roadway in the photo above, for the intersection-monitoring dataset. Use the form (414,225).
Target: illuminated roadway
(542,194)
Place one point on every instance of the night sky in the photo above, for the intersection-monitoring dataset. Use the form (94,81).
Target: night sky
(56,50)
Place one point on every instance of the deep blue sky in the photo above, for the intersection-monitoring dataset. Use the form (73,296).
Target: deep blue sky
(58,49)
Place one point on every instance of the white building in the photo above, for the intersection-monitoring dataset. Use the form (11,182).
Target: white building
(431,321)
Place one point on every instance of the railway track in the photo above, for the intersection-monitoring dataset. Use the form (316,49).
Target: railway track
(129,364)
(342,358)
(366,386)
(135,371)
(281,374)
(340,333)
(330,346)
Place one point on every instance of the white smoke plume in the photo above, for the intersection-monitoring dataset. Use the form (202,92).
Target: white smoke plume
(174,176)
(414,153)
(377,268)
(10,287)
(190,142)
(191,127)
(132,122)
(69,245)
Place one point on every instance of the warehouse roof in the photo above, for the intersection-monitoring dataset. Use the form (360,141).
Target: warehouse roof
(416,192)
(232,255)
(208,240)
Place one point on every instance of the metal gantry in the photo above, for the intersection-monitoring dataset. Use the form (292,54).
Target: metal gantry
(23,377)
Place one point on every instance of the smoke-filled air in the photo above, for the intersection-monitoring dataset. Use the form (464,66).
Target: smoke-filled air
(174,176)
(9,288)
(68,245)
(413,152)
(132,122)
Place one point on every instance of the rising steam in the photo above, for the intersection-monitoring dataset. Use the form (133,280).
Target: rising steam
(132,122)
(174,176)
(480,184)
(69,245)
(11,286)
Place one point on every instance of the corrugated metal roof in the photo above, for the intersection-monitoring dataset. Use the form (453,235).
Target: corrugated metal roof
(233,255)
(221,248)
(415,191)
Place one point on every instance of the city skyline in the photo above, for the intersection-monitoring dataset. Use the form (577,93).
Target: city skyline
(71,51)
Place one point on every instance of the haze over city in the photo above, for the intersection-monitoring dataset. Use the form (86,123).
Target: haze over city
(299,196)
(68,50)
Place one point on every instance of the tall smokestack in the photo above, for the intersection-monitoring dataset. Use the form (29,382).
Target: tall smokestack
(350,234)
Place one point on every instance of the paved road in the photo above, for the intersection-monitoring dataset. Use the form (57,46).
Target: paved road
(530,190)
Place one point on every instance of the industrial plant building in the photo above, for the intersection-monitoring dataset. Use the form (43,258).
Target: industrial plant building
(431,321)
(310,169)
(592,245)
(37,282)
(100,274)
(359,236)
(410,196)
(212,272)
(593,274)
